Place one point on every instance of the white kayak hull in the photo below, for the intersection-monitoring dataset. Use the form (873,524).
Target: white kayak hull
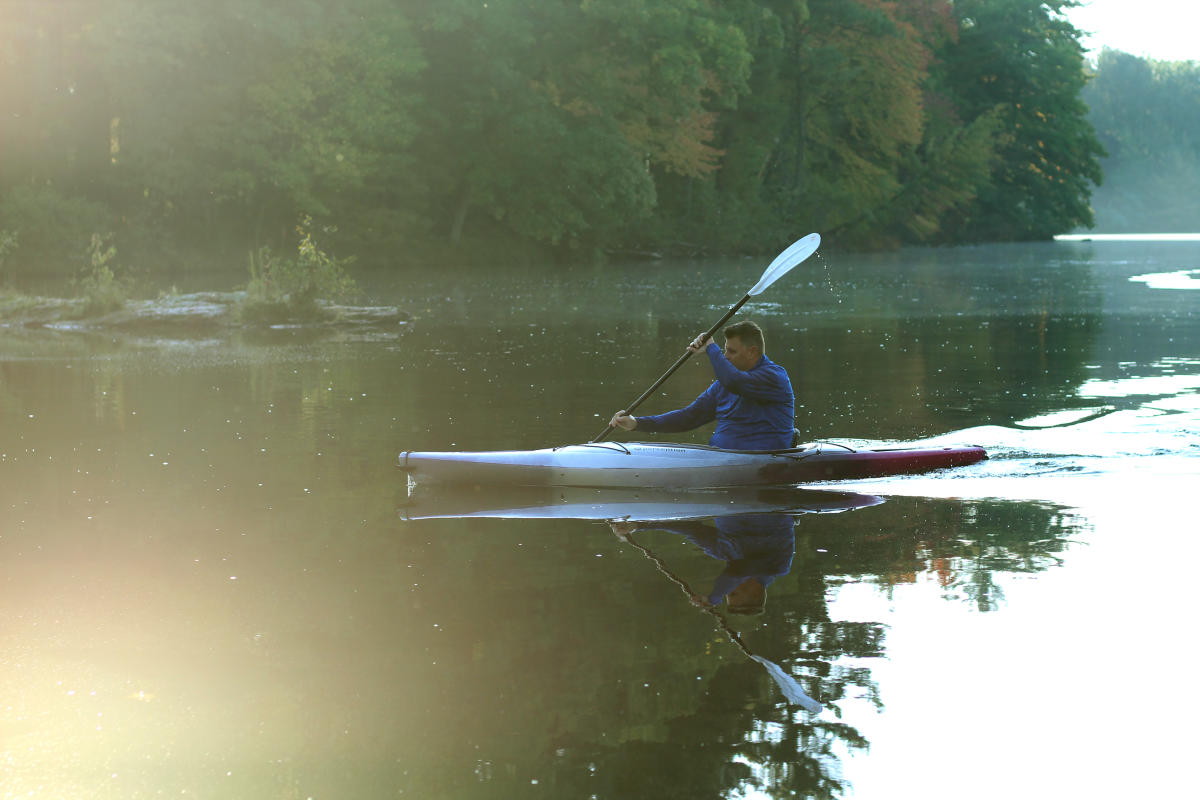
(654,465)
(626,504)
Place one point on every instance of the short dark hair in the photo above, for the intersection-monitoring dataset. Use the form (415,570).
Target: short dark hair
(748,334)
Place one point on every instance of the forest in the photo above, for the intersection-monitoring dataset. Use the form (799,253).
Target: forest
(434,132)
(1147,117)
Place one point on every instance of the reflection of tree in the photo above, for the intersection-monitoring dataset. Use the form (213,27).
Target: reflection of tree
(822,643)
(734,743)
(963,546)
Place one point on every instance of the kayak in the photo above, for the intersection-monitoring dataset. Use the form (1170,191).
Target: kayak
(670,465)
(626,504)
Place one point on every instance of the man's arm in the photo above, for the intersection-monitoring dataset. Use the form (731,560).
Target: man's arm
(764,384)
(699,412)
(626,421)
(702,410)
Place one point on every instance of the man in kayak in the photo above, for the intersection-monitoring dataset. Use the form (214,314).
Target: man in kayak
(751,398)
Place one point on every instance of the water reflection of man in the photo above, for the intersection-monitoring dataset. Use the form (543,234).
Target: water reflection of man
(751,398)
(756,549)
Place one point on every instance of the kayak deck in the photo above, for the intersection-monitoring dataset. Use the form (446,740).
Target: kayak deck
(669,465)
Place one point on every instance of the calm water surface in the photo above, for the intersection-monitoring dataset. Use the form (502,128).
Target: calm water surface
(212,584)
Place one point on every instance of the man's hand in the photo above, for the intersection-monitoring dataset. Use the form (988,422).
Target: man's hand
(623,421)
(699,343)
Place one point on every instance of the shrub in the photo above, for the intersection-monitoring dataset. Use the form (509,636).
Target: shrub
(283,289)
(8,243)
(102,290)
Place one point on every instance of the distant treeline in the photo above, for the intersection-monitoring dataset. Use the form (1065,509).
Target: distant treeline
(1147,115)
(435,131)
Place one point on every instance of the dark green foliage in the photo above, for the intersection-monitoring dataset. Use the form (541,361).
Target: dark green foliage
(54,228)
(433,131)
(1022,61)
(103,285)
(552,119)
(207,126)
(288,289)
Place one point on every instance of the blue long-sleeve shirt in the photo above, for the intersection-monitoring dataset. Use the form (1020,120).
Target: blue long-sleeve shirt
(754,410)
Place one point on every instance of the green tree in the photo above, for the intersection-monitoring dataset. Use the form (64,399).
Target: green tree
(901,158)
(548,121)
(1021,59)
(841,131)
(731,208)
(291,109)
(193,126)
(53,134)
(863,72)
(941,174)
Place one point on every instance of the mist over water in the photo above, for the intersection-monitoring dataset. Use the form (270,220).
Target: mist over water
(213,584)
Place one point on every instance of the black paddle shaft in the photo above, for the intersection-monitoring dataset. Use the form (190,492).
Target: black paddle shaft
(711,331)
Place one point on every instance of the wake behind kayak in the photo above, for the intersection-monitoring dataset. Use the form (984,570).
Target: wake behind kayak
(668,465)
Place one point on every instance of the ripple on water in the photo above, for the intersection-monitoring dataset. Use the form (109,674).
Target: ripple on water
(1180,279)
(1161,385)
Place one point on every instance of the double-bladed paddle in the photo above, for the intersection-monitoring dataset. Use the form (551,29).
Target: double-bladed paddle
(783,263)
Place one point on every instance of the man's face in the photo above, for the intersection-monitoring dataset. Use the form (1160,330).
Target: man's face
(741,356)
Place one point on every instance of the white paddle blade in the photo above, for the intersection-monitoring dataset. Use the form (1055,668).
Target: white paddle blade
(783,262)
(790,687)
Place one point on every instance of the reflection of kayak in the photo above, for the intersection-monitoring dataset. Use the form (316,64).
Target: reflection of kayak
(642,464)
(642,505)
